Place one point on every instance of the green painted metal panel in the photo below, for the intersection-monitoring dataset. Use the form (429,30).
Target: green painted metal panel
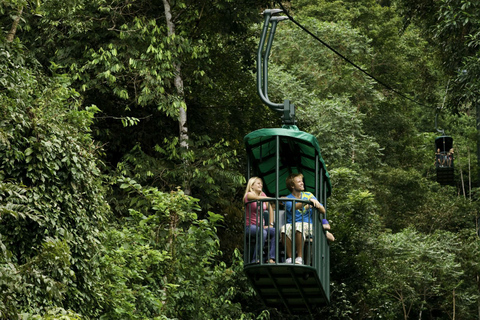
(297,154)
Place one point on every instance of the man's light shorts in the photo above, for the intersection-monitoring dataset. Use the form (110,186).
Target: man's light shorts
(304,227)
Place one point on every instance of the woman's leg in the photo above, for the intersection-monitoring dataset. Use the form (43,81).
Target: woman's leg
(271,238)
(252,236)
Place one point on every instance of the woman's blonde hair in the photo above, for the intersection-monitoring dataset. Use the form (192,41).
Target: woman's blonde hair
(250,183)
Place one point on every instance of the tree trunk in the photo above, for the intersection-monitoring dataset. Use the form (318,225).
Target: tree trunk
(13,29)
(178,82)
(420,314)
(478,300)
(404,308)
(453,316)
(478,307)
(461,179)
(353,148)
(478,137)
(469,176)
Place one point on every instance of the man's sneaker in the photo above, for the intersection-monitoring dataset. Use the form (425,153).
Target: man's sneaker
(289,260)
(298,260)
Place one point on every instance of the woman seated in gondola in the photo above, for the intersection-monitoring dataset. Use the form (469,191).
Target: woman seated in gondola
(254,219)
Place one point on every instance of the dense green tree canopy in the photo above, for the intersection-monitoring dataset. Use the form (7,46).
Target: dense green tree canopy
(107,213)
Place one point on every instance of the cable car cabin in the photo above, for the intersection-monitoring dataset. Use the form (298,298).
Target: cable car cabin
(444,160)
(272,155)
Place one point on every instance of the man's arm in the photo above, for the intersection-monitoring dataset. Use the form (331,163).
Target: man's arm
(317,205)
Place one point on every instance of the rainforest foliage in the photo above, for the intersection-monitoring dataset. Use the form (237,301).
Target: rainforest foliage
(122,162)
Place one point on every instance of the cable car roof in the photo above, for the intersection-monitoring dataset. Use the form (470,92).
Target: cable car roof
(445,143)
(444,137)
(297,154)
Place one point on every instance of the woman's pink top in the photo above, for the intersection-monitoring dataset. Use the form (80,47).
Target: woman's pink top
(252,210)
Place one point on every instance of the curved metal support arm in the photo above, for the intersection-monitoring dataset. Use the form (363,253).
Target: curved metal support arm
(439,130)
(261,84)
(274,21)
(287,109)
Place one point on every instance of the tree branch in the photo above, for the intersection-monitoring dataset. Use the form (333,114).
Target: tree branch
(13,30)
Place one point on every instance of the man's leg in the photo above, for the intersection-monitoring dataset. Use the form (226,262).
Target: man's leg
(299,244)
(288,245)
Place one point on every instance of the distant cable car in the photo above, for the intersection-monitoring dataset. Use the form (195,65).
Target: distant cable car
(444,164)
(272,155)
(444,160)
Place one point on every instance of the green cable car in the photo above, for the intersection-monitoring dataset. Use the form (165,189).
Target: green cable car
(444,160)
(444,157)
(273,154)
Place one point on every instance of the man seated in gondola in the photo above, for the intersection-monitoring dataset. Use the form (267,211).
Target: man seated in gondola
(303,217)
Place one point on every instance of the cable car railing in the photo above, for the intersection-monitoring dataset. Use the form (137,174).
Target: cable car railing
(259,243)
